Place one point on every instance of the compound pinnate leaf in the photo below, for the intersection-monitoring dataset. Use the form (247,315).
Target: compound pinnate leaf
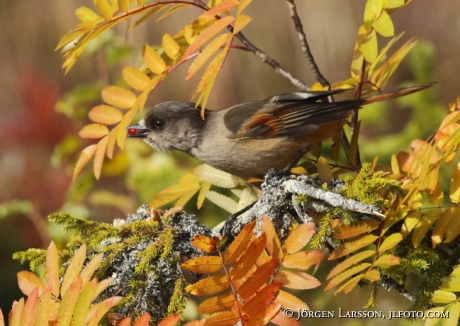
(353,260)
(390,242)
(118,97)
(204,55)
(240,244)
(209,285)
(351,246)
(93,131)
(204,264)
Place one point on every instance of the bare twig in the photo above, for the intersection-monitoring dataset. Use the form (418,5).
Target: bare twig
(262,55)
(304,44)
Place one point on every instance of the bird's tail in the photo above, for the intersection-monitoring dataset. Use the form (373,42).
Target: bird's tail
(396,93)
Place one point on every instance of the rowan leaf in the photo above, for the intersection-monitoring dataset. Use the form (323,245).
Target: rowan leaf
(349,285)
(384,25)
(386,261)
(105,114)
(16,313)
(204,55)
(209,285)
(372,275)
(369,47)
(450,284)
(410,221)
(297,280)
(86,14)
(303,259)
(142,320)
(52,269)
(226,318)
(93,131)
(240,244)
(243,4)
(104,9)
(135,78)
(348,273)
(443,297)
(222,201)
(246,261)
(255,281)
(118,96)
(83,303)
(207,34)
(217,303)
(69,299)
(354,229)
(261,300)
(324,170)
(28,281)
(247,197)
(216,177)
(204,243)
(442,226)
(90,268)
(217,9)
(42,312)
(150,13)
(173,10)
(455,186)
(454,226)
(350,261)
(273,244)
(123,5)
(390,242)
(204,264)
(265,315)
(102,308)
(153,60)
(102,285)
(299,237)
(74,268)
(170,46)
(435,197)
(111,141)
(85,156)
(427,220)
(189,183)
(290,301)
(99,157)
(352,246)
(240,23)
(28,312)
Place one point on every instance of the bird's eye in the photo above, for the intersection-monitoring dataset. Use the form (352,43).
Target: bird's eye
(158,124)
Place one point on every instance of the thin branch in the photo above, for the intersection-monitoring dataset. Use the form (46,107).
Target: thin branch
(304,44)
(263,56)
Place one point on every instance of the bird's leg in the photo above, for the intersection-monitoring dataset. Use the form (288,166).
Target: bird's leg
(287,169)
(227,229)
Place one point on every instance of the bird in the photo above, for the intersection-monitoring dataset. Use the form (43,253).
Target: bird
(248,139)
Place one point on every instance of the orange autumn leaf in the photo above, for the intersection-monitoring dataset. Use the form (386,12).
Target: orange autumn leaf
(299,237)
(297,280)
(171,320)
(303,259)
(217,9)
(239,245)
(273,244)
(262,299)
(203,264)
(248,258)
(290,301)
(204,243)
(118,96)
(217,303)
(226,318)
(255,281)
(209,285)
(28,281)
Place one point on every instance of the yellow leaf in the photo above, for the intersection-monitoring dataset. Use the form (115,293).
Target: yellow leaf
(386,260)
(453,312)
(442,225)
(443,297)
(42,312)
(369,47)
(135,78)
(324,170)
(348,273)
(350,261)
(248,196)
(217,9)
(303,259)
(299,237)
(454,227)
(208,33)
(349,285)
(382,57)
(71,39)
(150,13)
(153,60)
(372,275)
(104,9)
(225,318)
(204,55)
(90,268)
(204,264)
(290,301)
(384,25)
(450,284)
(351,246)
(205,187)
(390,242)
(172,10)
(99,157)
(243,4)
(74,268)
(216,177)
(28,281)
(105,114)
(424,225)
(410,221)
(52,269)
(435,197)
(273,242)
(455,186)
(187,184)
(93,131)
(85,14)
(354,229)
(123,5)
(222,201)
(85,155)
(393,4)
(118,97)
(112,138)
(127,119)
(170,46)
(433,312)
(240,22)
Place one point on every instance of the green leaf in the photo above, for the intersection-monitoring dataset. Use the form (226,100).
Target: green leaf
(443,297)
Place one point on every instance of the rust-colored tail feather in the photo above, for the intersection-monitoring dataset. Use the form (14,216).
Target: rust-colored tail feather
(396,93)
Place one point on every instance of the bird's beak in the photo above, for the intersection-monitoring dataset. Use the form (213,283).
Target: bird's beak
(137,131)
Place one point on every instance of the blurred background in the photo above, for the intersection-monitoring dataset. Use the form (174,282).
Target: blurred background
(42,109)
